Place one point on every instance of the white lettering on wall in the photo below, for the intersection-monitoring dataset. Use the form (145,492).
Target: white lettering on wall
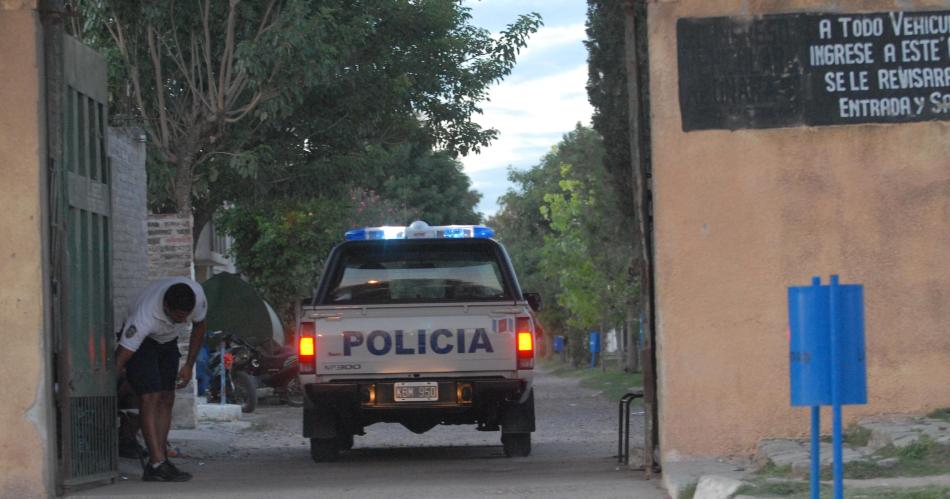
(912,47)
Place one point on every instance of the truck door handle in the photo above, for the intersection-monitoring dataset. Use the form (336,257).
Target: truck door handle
(507,311)
(327,317)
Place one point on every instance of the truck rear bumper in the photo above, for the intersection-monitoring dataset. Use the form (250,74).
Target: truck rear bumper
(347,407)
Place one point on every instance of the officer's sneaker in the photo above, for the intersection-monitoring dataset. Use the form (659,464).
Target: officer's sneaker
(165,472)
(178,471)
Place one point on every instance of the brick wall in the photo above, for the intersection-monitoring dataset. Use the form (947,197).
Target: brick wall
(169,246)
(129,214)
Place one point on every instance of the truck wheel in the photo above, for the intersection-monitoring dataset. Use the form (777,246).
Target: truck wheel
(324,450)
(344,441)
(516,444)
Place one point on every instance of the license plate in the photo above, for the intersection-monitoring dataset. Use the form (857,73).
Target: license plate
(416,391)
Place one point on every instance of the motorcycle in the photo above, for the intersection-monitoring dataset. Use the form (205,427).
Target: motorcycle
(278,370)
(230,364)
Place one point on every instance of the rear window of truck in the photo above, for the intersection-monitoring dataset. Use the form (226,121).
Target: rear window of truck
(417,272)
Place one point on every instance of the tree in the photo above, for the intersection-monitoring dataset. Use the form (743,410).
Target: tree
(280,243)
(562,231)
(607,90)
(520,226)
(228,88)
(278,247)
(429,186)
(193,71)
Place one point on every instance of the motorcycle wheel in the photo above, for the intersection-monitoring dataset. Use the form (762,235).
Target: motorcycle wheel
(245,391)
(213,393)
(294,393)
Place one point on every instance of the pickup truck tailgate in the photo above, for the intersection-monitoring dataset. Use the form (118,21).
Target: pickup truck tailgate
(392,339)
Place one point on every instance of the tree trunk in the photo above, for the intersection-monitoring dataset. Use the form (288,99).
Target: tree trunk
(183,181)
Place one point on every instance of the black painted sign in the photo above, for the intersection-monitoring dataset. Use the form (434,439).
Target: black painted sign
(814,69)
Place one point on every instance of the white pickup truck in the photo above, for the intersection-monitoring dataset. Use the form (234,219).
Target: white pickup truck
(422,326)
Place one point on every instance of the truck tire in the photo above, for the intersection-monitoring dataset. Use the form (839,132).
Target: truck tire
(344,441)
(324,450)
(516,444)
(519,418)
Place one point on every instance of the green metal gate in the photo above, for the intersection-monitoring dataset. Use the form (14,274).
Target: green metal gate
(84,340)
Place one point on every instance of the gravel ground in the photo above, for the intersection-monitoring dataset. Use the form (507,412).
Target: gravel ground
(565,413)
(574,454)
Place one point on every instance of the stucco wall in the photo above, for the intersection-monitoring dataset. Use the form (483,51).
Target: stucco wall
(742,215)
(24,469)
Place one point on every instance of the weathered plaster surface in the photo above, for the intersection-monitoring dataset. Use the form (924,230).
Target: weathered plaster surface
(741,215)
(23,462)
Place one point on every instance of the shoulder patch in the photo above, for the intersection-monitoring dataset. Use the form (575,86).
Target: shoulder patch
(130,332)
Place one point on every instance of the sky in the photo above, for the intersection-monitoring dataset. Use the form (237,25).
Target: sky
(542,99)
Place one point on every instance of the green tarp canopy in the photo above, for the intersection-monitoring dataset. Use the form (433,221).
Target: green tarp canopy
(235,307)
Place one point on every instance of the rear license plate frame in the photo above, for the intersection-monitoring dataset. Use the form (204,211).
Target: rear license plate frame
(416,391)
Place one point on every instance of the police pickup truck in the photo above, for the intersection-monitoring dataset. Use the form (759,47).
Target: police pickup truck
(419,325)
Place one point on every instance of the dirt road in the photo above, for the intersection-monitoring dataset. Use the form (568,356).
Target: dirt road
(574,455)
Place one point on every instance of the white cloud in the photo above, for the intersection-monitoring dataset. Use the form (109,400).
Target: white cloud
(531,116)
(553,36)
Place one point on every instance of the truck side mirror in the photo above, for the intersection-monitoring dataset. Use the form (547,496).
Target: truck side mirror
(534,301)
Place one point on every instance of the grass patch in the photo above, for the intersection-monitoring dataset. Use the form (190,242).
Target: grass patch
(854,436)
(801,490)
(613,383)
(941,414)
(922,458)
(777,488)
(857,436)
(915,493)
(770,470)
(689,491)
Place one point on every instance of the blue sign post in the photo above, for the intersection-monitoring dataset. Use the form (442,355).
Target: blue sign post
(826,360)
(594,348)
(558,344)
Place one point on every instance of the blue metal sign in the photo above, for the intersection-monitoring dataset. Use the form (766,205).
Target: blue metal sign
(594,342)
(816,326)
(827,361)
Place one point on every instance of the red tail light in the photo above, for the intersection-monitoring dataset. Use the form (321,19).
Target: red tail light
(525,338)
(307,348)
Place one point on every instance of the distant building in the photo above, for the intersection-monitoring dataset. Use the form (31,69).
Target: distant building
(211,253)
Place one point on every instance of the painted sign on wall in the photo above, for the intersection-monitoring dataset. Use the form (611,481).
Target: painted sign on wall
(814,69)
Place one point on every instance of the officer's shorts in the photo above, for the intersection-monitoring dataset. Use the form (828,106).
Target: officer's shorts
(154,367)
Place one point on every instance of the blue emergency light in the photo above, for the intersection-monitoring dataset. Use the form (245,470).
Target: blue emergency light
(420,230)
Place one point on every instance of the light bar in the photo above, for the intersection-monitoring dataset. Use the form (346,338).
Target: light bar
(371,233)
(420,230)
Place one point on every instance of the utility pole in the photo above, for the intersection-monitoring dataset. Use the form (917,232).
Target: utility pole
(642,200)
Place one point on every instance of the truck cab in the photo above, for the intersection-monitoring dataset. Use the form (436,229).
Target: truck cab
(420,326)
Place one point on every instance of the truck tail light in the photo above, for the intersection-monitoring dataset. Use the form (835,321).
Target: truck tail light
(307,348)
(525,338)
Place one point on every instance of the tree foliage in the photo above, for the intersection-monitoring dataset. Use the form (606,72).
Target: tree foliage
(608,92)
(281,243)
(303,117)
(562,229)
(228,89)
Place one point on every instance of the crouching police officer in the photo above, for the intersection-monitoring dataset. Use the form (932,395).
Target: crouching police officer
(148,350)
